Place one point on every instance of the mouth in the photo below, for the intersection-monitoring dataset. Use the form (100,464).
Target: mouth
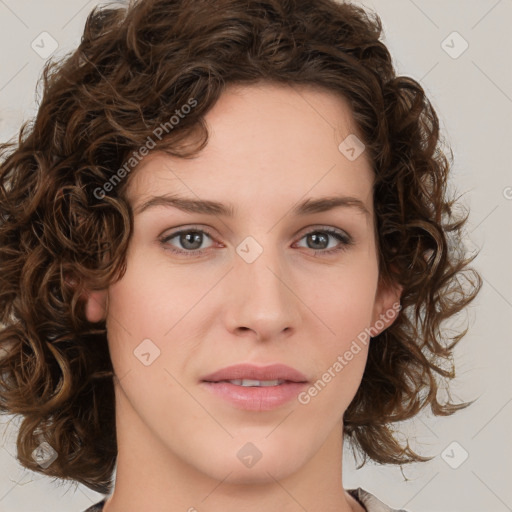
(248,374)
(256,388)
(253,383)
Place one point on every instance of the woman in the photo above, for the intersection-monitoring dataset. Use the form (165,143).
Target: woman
(227,248)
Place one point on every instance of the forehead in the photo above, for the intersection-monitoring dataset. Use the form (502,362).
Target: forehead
(265,140)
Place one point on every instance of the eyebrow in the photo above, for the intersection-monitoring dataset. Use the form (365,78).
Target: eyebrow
(306,207)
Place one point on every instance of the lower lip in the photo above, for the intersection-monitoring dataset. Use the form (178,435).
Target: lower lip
(256,398)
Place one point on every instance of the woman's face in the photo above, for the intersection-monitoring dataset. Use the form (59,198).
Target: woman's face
(275,282)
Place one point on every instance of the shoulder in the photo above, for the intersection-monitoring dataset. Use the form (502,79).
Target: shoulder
(97,507)
(371,502)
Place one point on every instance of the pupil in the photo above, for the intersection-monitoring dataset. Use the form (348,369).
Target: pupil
(189,238)
(316,237)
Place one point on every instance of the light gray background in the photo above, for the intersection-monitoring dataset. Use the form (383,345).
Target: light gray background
(473,97)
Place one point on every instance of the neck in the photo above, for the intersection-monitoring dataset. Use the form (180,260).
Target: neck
(149,476)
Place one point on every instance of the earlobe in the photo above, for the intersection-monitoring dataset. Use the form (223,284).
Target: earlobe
(96,305)
(96,302)
(387,306)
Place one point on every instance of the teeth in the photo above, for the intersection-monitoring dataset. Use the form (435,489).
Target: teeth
(250,382)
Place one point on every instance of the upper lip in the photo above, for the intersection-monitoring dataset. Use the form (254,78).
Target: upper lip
(254,372)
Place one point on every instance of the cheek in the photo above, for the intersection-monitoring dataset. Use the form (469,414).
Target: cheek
(151,320)
(339,367)
(341,351)
(149,301)
(344,302)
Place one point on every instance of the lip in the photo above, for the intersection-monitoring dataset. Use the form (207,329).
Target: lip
(251,398)
(252,371)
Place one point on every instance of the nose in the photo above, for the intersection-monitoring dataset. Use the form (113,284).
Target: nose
(261,296)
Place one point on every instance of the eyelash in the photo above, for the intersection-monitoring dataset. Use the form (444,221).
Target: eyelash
(345,240)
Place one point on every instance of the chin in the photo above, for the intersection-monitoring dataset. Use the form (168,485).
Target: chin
(248,463)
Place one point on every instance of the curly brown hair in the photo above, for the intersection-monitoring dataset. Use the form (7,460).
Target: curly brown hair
(135,67)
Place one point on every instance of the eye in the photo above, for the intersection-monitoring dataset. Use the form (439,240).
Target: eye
(318,240)
(190,239)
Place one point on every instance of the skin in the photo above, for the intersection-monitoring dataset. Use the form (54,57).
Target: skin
(270,147)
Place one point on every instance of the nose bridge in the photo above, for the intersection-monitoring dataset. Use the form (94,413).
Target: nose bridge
(261,299)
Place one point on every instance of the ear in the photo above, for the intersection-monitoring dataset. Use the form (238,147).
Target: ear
(386,306)
(96,305)
(96,302)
